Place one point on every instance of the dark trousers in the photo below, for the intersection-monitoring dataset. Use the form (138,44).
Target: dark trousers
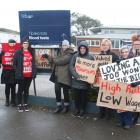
(107,113)
(10,88)
(58,87)
(126,118)
(23,90)
(80,99)
(135,117)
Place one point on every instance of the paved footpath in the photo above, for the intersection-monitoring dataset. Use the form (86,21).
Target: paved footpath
(42,124)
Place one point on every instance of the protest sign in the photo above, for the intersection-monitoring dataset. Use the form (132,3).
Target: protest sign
(102,60)
(40,61)
(118,95)
(127,71)
(86,69)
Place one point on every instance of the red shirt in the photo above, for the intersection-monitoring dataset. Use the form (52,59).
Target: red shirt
(7,58)
(27,64)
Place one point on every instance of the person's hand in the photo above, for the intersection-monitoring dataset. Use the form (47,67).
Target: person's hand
(135,84)
(45,55)
(118,62)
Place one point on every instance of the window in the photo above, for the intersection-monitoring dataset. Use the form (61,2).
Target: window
(115,44)
(95,43)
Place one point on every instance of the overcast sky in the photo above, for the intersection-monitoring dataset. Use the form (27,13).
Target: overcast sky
(109,12)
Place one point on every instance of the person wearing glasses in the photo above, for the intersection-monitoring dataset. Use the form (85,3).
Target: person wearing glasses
(134,52)
(25,71)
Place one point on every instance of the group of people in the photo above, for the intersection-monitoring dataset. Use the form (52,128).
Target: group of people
(19,68)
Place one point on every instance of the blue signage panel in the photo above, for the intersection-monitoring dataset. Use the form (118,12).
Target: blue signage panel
(45,27)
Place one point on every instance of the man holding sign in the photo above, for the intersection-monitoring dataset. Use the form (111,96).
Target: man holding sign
(79,82)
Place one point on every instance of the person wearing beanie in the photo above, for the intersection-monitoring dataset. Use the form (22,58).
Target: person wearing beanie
(125,117)
(25,71)
(80,88)
(61,76)
(8,73)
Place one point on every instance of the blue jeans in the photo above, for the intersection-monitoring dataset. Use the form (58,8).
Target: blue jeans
(126,118)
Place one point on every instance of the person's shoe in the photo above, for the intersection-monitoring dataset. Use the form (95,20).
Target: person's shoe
(127,127)
(82,112)
(57,110)
(65,109)
(7,103)
(76,112)
(20,108)
(26,108)
(13,104)
(119,125)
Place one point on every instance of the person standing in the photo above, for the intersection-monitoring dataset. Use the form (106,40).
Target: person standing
(61,76)
(8,73)
(105,48)
(80,88)
(25,71)
(125,116)
(134,52)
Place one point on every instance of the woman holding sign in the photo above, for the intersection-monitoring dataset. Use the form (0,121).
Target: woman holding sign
(134,52)
(105,48)
(80,87)
(25,71)
(125,116)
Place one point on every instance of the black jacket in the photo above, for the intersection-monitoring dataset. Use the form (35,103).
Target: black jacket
(18,65)
(115,58)
(78,84)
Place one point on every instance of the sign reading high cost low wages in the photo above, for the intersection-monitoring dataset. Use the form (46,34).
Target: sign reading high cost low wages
(118,95)
(128,71)
(86,69)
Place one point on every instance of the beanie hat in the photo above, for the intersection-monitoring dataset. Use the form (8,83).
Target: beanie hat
(65,43)
(11,41)
(83,43)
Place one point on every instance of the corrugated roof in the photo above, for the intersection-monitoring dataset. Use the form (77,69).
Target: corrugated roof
(115,36)
(8,31)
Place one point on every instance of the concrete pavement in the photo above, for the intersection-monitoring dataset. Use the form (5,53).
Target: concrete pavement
(42,124)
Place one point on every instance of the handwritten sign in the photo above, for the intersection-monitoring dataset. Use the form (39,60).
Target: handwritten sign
(42,62)
(103,59)
(118,95)
(128,71)
(86,69)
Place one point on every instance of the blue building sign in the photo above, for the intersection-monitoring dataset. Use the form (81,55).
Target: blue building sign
(45,27)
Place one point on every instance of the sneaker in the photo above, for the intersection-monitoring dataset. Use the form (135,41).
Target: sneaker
(26,108)
(65,110)
(7,103)
(20,108)
(76,112)
(57,110)
(127,127)
(13,104)
(82,112)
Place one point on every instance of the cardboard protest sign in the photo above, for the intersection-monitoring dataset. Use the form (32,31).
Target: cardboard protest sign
(118,95)
(98,79)
(128,71)
(42,62)
(86,69)
(102,60)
